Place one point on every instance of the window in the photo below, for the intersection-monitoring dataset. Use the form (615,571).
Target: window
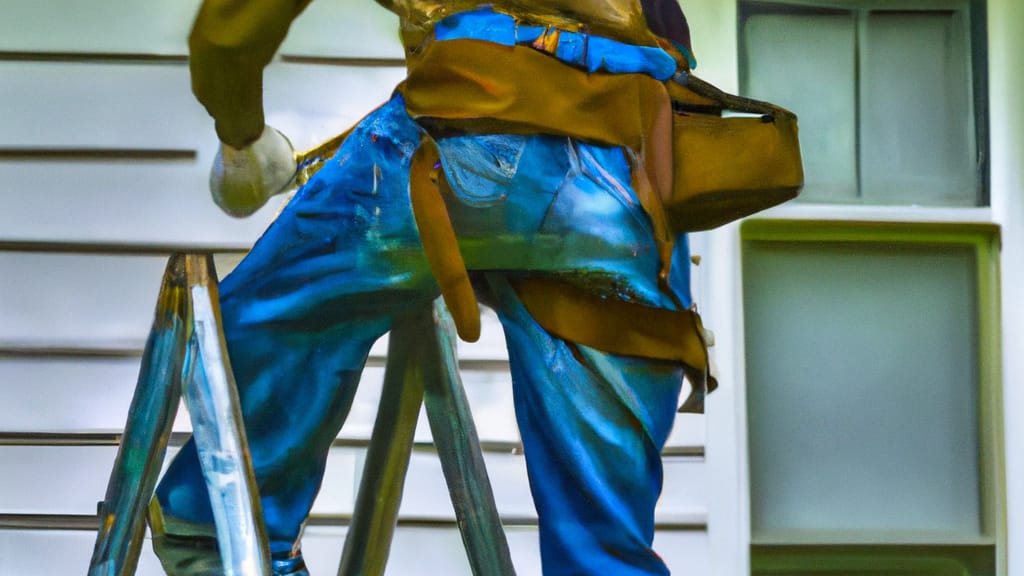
(871,367)
(872,397)
(886,92)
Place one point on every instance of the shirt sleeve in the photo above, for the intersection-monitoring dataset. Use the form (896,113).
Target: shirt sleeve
(230,44)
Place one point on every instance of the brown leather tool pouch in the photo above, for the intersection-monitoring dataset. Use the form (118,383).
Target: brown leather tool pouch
(732,156)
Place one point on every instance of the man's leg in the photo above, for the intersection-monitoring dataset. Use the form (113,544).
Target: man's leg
(300,314)
(294,399)
(593,426)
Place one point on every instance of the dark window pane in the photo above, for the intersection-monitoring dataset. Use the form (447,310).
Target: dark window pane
(806,63)
(918,143)
(862,391)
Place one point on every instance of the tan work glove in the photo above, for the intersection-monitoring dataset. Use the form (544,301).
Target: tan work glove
(242,180)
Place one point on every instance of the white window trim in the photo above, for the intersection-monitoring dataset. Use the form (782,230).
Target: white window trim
(717,281)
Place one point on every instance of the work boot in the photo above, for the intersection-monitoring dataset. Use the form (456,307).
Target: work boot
(188,549)
(184,548)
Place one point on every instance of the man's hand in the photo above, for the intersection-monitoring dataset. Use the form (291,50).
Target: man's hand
(242,180)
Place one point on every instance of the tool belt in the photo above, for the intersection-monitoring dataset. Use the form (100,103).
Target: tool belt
(693,169)
(706,169)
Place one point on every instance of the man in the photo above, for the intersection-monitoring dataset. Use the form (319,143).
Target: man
(556,213)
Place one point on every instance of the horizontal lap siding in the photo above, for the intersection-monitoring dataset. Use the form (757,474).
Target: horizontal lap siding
(345,28)
(416,551)
(46,392)
(140,147)
(62,480)
(104,159)
(138,105)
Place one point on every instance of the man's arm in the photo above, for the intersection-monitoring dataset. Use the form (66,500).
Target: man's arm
(230,44)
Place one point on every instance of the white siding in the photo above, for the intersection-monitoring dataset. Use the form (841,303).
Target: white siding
(1006,22)
(416,551)
(103,166)
(110,76)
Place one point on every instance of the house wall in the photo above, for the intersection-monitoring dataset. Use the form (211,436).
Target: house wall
(715,42)
(1005,23)
(103,163)
(104,158)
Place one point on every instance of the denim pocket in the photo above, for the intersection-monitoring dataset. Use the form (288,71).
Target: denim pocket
(480,168)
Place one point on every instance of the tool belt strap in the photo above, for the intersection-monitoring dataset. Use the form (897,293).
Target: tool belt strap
(614,326)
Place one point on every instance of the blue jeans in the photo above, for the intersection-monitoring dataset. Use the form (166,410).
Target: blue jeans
(344,260)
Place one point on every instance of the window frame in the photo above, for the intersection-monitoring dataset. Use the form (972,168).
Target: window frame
(973,14)
(788,556)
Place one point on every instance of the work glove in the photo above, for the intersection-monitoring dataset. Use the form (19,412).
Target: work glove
(242,180)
